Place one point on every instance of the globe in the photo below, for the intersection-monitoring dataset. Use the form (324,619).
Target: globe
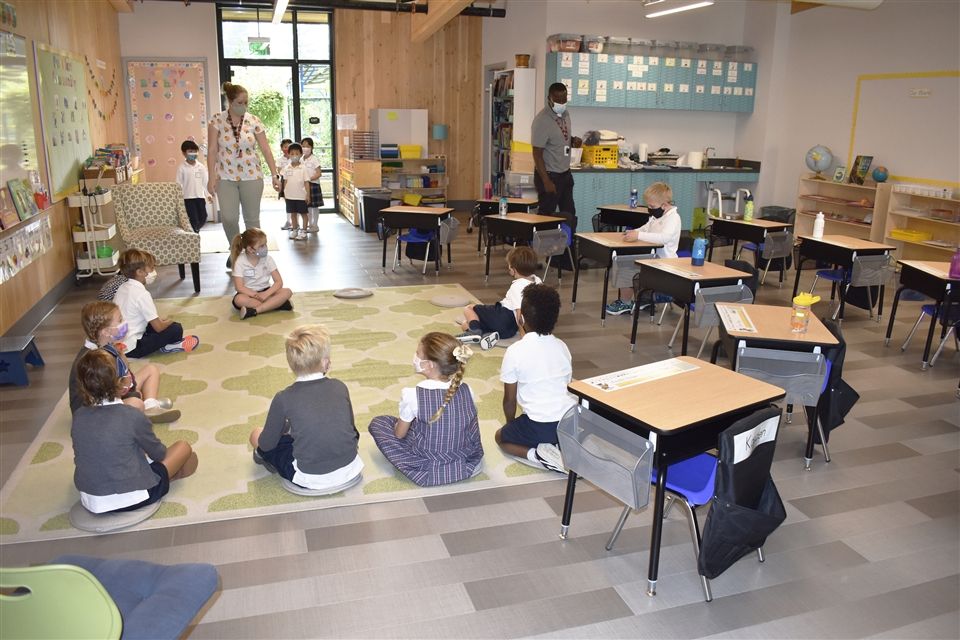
(880,174)
(819,159)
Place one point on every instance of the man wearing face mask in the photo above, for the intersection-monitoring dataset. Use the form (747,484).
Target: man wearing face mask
(147,332)
(551,139)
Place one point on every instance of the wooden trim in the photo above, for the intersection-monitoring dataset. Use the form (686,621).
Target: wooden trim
(439,13)
(796,6)
(122,6)
(936,269)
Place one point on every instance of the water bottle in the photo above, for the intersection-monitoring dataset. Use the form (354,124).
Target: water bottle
(818,226)
(699,252)
(748,209)
(802,309)
(955,266)
(487,191)
(503,207)
(634,198)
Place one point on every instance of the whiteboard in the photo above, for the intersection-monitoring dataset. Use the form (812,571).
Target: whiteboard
(916,138)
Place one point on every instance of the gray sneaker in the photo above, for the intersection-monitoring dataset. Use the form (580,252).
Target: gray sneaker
(263,463)
(550,457)
(469,337)
(619,307)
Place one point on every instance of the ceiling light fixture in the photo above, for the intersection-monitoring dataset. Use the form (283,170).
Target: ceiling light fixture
(688,7)
(279,8)
(647,3)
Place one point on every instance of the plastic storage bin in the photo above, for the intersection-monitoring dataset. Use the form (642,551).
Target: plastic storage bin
(947,215)
(910,235)
(594,44)
(603,155)
(738,53)
(664,49)
(712,51)
(618,46)
(606,455)
(567,42)
(687,49)
(410,151)
(639,47)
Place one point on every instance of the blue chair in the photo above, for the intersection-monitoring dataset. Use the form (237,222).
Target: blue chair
(416,236)
(949,319)
(16,352)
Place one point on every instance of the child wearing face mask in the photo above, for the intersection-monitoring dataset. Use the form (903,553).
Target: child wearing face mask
(314,195)
(663,228)
(282,162)
(105,329)
(256,277)
(296,189)
(147,331)
(309,437)
(436,438)
(192,177)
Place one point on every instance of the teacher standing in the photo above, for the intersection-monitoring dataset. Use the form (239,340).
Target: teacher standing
(235,174)
(551,155)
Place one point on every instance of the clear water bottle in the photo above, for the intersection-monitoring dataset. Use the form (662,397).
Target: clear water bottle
(634,198)
(503,206)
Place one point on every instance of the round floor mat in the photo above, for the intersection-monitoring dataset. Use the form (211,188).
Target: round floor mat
(450,300)
(106,522)
(352,293)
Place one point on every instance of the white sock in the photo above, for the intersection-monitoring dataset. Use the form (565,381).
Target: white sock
(532,456)
(150,403)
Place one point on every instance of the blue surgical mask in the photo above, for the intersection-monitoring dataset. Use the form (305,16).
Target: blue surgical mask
(238,109)
(119,332)
(558,108)
(261,252)
(191,157)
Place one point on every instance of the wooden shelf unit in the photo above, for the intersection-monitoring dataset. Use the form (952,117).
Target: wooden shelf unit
(404,176)
(356,174)
(94,234)
(912,211)
(839,204)
(512,109)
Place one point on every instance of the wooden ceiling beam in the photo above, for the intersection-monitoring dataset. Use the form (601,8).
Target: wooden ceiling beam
(122,6)
(797,6)
(439,13)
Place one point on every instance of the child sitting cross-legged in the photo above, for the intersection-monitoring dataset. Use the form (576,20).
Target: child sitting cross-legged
(436,438)
(112,442)
(309,437)
(256,277)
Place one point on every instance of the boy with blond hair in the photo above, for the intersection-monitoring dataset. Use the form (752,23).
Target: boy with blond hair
(309,437)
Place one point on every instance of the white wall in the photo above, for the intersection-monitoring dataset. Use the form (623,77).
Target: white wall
(172,30)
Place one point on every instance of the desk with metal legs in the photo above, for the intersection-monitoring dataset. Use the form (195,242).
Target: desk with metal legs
(404,217)
(491,206)
(519,226)
(623,216)
(754,231)
(602,248)
(931,279)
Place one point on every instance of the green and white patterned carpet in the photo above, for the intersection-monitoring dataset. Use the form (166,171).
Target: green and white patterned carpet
(224,389)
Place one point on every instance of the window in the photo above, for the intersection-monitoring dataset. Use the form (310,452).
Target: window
(249,34)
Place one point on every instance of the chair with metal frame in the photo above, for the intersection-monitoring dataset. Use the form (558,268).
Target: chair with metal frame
(550,243)
(705,308)
(868,272)
(949,320)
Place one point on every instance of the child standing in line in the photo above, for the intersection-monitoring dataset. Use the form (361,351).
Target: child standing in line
(663,227)
(315,195)
(111,442)
(436,438)
(484,323)
(282,162)
(256,277)
(105,329)
(535,373)
(309,437)
(192,177)
(296,190)
(148,332)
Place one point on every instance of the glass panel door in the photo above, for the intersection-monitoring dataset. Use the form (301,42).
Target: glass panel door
(316,121)
(271,99)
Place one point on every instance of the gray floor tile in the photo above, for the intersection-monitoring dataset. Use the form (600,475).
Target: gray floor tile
(940,505)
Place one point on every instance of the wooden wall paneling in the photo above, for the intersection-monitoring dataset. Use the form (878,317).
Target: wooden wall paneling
(378,66)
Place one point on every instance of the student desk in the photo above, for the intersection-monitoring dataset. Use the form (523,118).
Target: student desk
(404,217)
(754,231)
(519,226)
(623,215)
(839,251)
(603,247)
(931,279)
(662,411)
(491,206)
(773,331)
(679,279)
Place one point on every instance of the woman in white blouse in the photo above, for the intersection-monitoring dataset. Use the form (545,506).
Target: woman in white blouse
(235,174)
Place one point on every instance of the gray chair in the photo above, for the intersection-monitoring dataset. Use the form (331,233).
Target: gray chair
(801,374)
(777,246)
(869,271)
(548,244)
(705,308)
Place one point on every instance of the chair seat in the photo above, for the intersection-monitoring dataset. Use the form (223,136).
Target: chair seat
(752,246)
(834,275)
(170,245)
(415,236)
(692,478)
(107,522)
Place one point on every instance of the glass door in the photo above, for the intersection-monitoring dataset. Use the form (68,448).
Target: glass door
(316,121)
(271,99)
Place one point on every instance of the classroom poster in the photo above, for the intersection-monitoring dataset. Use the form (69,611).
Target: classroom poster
(62,86)
(168,105)
(18,145)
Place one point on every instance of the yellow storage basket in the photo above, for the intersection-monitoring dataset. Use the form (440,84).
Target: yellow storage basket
(911,235)
(602,155)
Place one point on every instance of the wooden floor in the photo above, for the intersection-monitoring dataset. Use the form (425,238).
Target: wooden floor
(870,548)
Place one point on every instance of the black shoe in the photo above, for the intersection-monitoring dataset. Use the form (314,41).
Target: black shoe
(263,463)
(286,306)
(229,263)
(247,313)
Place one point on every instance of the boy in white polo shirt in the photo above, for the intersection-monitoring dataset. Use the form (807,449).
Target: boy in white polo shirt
(535,372)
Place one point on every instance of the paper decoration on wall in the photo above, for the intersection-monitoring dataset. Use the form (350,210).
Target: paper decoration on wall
(8,15)
(100,107)
(24,246)
(167,106)
(64,114)
(18,144)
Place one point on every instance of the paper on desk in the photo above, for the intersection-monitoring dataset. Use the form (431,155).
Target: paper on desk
(638,375)
(678,271)
(736,319)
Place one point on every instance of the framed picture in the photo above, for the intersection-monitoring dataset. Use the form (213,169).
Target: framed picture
(858,172)
(8,213)
(22,196)
(840,174)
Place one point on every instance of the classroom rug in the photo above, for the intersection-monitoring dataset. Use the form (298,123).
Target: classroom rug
(212,240)
(224,389)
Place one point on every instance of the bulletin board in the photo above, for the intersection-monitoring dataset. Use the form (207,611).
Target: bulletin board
(908,122)
(18,144)
(62,87)
(168,104)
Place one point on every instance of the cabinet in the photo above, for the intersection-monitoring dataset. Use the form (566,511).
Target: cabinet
(848,209)
(512,109)
(96,256)
(423,177)
(932,221)
(356,174)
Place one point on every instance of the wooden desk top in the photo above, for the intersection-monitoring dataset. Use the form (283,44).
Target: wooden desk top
(773,323)
(665,404)
(757,222)
(436,211)
(936,269)
(527,201)
(529,218)
(847,242)
(625,208)
(684,267)
(614,240)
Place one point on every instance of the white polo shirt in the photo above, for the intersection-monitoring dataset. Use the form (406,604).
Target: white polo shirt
(296,177)
(255,276)
(136,305)
(193,179)
(514,295)
(664,230)
(541,368)
(312,165)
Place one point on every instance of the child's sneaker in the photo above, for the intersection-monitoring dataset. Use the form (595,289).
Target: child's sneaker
(286,226)
(247,312)
(286,306)
(489,341)
(263,463)
(162,416)
(549,456)
(187,345)
(313,229)
(302,234)
(293,233)
(469,337)
(619,307)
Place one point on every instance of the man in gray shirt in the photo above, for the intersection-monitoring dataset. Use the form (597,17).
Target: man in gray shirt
(551,155)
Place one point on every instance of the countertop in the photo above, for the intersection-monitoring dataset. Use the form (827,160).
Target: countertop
(665,172)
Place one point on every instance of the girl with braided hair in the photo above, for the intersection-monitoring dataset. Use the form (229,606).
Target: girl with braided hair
(436,438)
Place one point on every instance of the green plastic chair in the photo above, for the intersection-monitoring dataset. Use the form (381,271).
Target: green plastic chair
(55,601)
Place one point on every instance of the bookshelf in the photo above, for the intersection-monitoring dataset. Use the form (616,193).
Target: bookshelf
(848,209)
(932,220)
(512,109)
(356,174)
(424,177)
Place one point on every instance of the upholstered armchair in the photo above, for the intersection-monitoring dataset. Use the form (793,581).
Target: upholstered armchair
(151,216)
